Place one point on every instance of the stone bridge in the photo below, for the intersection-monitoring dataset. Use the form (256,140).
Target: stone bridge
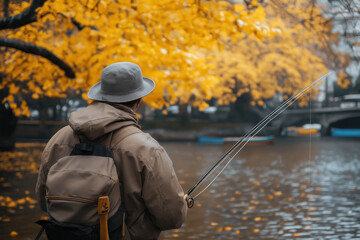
(328,117)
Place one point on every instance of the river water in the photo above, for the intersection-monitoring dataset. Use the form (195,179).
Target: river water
(297,188)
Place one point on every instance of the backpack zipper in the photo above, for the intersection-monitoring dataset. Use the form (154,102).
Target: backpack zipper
(71,199)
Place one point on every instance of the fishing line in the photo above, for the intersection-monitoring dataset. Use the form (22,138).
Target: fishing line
(248,138)
(242,140)
(245,139)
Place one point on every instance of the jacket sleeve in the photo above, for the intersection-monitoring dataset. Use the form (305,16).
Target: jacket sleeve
(163,196)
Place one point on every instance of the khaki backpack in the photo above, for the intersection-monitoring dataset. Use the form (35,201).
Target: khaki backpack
(75,183)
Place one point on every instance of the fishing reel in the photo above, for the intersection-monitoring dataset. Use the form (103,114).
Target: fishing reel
(189,201)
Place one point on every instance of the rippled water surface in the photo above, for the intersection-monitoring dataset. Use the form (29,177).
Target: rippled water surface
(292,189)
(289,190)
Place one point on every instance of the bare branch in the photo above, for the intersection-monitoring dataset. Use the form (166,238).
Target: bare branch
(40,51)
(21,19)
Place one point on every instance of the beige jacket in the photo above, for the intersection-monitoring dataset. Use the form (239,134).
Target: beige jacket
(153,197)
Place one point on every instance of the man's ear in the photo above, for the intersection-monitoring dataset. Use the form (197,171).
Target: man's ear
(137,104)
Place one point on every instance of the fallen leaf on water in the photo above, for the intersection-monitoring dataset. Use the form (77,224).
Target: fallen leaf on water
(237,232)
(214,224)
(277,193)
(219,229)
(312,209)
(21,201)
(251,207)
(8,199)
(295,234)
(257,219)
(256,230)
(256,183)
(270,197)
(30,200)
(10,210)
(228,228)
(237,192)
(13,234)
(12,204)
(19,175)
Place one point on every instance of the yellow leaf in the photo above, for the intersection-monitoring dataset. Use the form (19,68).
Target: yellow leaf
(228,228)
(277,193)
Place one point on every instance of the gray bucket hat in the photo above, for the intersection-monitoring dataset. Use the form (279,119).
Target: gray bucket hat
(121,82)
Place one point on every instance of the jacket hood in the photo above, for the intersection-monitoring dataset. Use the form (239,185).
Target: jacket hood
(99,119)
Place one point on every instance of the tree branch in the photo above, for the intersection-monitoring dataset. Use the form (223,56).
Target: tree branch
(80,26)
(6,8)
(21,19)
(40,51)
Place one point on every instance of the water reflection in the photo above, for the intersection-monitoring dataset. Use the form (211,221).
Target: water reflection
(289,190)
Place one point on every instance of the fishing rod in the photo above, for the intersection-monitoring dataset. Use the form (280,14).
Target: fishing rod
(245,139)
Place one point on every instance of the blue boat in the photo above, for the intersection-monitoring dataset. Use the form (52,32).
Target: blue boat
(256,140)
(343,132)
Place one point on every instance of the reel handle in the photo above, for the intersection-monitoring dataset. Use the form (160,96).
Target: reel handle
(189,201)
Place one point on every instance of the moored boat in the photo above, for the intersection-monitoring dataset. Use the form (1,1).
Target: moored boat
(343,132)
(305,130)
(256,140)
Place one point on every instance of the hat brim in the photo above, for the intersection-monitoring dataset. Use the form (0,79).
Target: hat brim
(96,94)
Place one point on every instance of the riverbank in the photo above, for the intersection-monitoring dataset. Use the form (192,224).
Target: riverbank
(160,129)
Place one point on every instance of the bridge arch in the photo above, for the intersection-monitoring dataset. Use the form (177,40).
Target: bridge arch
(347,122)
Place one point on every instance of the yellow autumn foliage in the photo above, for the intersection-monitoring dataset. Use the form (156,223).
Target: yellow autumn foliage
(194,50)
(279,66)
(160,36)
